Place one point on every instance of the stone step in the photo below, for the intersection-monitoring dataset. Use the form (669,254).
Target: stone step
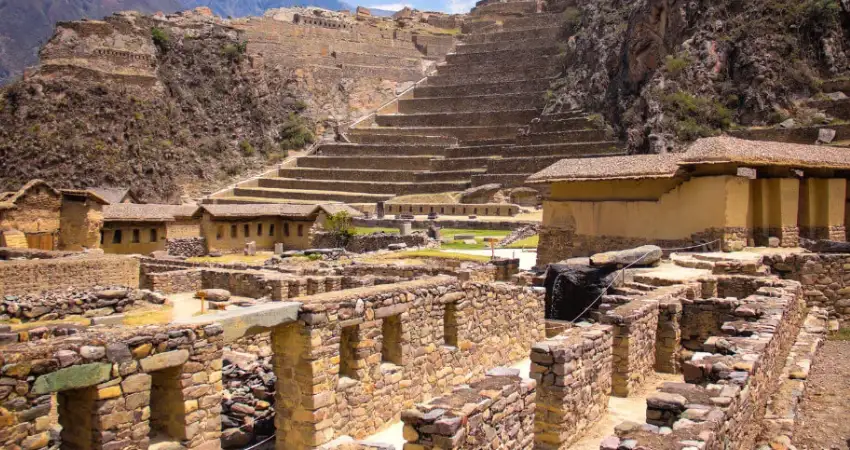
(314,173)
(567,124)
(461,133)
(375,136)
(544,65)
(451,164)
(489,141)
(514,35)
(507,180)
(801,135)
(449,175)
(505,8)
(378,186)
(532,21)
(563,137)
(479,118)
(534,164)
(365,162)
(367,59)
(472,103)
(526,44)
(568,149)
(835,108)
(389,73)
(486,77)
(518,56)
(244,200)
(498,88)
(301,194)
(344,149)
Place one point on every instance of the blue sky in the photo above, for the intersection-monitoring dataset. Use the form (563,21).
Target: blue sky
(449,6)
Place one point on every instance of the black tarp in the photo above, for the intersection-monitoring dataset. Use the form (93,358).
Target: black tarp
(571,288)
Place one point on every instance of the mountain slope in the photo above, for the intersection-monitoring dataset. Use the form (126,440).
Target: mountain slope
(27,24)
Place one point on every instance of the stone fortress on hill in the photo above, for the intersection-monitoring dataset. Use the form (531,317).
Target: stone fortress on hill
(689,293)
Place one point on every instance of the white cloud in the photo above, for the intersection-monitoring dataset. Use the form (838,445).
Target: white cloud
(460,6)
(391,6)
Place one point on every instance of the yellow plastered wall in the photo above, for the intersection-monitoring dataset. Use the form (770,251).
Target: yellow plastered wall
(775,202)
(127,245)
(80,225)
(220,235)
(822,202)
(691,207)
(183,228)
(38,211)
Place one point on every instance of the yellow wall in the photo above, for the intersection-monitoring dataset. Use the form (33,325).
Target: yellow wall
(127,246)
(219,237)
(183,228)
(691,207)
(80,226)
(822,202)
(609,190)
(775,202)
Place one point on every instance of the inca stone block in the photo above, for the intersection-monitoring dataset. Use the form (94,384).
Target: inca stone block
(74,377)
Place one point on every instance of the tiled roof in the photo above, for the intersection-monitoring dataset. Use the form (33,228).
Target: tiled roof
(609,168)
(725,149)
(129,212)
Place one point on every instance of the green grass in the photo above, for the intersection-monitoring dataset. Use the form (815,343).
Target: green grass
(370,230)
(259,258)
(529,242)
(841,335)
(437,254)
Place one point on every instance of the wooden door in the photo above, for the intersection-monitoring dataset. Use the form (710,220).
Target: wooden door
(40,241)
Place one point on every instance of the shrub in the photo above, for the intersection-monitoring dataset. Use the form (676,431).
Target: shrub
(246,148)
(160,38)
(339,225)
(294,134)
(696,117)
(676,64)
(234,52)
(571,21)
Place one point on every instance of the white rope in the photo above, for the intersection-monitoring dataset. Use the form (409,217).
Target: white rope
(623,271)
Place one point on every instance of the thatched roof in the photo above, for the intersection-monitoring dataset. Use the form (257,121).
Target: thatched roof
(714,150)
(113,195)
(275,210)
(84,193)
(609,168)
(129,212)
(8,199)
(725,149)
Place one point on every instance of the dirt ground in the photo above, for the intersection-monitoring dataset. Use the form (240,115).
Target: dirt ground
(823,422)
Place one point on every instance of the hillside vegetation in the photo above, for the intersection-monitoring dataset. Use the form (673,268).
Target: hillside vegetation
(669,71)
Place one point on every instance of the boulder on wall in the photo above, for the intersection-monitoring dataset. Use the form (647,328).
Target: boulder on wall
(524,196)
(825,246)
(647,255)
(485,193)
(214,295)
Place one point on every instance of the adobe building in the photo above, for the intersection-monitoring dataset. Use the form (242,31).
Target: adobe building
(38,216)
(724,192)
(228,227)
(130,228)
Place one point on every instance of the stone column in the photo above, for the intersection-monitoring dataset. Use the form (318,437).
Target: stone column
(822,208)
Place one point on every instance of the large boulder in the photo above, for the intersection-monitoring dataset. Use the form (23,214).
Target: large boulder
(214,295)
(824,246)
(573,287)
(480,194)
(647,255)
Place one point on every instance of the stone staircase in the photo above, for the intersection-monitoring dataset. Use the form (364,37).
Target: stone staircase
(476,121)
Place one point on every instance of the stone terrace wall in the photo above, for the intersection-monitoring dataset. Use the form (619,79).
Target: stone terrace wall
(496,413)
(825,279)
(635,325)
(369,242)
(356,358)
(112,388)
(723,401)
(27,276)
(573,374)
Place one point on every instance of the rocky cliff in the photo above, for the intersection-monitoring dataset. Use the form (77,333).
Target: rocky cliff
(669,71)
(132,101)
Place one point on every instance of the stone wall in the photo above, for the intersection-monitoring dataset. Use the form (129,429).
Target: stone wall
(496,413)
(363,355)
(368,242)
(113,388)
(461,224)
(825,279)
(28,276)
(187,246)
(729,382)
(450,209)
(73,302)
(573,372)
(174,282)
(635,325)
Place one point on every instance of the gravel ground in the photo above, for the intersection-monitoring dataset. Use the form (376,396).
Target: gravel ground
(824,422)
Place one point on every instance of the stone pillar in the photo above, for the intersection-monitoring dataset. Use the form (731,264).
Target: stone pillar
(822,208)
(669,336)
(379,210)
(635,326)
(405,228)
(775,205)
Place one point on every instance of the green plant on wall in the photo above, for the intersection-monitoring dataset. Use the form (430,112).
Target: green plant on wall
(160,38)
(339,225)
(295,134)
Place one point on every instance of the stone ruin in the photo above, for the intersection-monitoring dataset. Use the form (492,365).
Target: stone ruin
(326,357)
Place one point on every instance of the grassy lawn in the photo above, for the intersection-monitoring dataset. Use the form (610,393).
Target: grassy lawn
(529,242)
(257,259)
(437,254)
(449,234)
(370,230)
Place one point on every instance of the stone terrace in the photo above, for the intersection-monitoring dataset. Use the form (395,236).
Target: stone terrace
(456,129)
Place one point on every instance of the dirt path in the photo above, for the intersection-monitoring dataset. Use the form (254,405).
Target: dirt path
(824,419)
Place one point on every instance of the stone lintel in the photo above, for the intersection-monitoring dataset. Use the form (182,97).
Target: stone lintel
(74,377)
(252,320)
